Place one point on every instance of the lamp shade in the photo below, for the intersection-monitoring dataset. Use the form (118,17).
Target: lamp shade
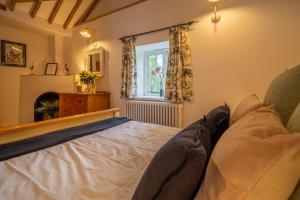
(213,1)
(86,33)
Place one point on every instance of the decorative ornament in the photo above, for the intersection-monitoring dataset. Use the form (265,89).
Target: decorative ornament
(32,69)
(67,71)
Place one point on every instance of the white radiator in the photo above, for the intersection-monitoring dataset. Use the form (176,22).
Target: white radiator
(162,113)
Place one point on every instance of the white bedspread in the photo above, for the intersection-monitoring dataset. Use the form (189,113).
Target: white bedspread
(106,165)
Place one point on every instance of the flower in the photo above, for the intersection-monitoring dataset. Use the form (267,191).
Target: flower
(160,72)
(157,70)
(153,73)
(88,77)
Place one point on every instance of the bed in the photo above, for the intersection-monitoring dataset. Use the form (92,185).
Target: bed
(124,159)
(104,165)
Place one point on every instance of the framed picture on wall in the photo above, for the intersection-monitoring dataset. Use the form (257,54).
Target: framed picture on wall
(51,69)
(13,54)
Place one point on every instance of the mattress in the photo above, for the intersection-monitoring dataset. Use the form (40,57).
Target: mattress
(105,165)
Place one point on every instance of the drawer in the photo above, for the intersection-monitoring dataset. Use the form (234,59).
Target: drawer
(79,110)
(98,102)
(66,111)
(79,101)
(65,99)
(72,100)
(71,110)
(74,104)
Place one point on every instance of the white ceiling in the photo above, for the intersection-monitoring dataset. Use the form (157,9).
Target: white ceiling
(47,6)
(103,7)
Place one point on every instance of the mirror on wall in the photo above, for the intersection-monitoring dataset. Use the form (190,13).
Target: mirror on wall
(96,61)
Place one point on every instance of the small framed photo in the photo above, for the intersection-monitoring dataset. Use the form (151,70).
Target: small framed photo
(51,69)
(13,54)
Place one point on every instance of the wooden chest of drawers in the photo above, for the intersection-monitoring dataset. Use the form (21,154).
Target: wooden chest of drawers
(74,104)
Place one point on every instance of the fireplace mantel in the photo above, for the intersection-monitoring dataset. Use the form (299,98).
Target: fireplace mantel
(32,86)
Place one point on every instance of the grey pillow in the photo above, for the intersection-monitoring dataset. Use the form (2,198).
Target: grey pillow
(294,122)
(176,170)
(284,93)
(218,121)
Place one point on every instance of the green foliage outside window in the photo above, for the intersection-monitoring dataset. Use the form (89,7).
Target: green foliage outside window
(156,70)
(154,80)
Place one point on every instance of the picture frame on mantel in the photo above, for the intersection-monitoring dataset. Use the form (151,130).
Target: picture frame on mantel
(51,69)
(13,54)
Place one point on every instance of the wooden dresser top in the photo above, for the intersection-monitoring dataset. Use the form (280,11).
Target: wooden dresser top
(86,94)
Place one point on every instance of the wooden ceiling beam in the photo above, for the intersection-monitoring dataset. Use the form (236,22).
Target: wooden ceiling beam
(72,13)
(2,7)
(11,4)
(87,12)
(35,9)
(28,1)
(114,11)
(55,11)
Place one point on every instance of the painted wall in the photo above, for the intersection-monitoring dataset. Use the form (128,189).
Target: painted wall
(37,53)
(255,41)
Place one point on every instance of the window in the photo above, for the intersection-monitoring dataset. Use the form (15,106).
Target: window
(152,62)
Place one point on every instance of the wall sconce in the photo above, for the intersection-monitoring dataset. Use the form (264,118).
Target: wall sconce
(86,33)
(216,18)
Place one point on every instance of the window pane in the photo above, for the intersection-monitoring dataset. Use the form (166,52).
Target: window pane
(160,60)
(153,85)
(152,64)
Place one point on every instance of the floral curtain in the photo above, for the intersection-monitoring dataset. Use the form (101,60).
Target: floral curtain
(179,84)
(129,71)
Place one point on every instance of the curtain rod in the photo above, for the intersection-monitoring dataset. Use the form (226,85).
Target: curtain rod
(157,30)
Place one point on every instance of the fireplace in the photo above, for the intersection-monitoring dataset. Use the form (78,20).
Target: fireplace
(46,106)
(31,87)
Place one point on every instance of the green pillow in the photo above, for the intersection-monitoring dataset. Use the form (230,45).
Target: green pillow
(294,122)
(284,93)
(296,193)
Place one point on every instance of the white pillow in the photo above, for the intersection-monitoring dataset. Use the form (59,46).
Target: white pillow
(247,105)
(256,159)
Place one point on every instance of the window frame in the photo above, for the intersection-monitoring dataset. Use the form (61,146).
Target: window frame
(146,74)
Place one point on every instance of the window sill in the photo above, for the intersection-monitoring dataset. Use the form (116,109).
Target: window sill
(160,99)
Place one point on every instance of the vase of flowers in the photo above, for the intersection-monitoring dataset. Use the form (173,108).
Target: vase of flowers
(89,79)
(159,71)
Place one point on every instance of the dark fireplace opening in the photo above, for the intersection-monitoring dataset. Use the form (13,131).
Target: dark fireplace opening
(46,106)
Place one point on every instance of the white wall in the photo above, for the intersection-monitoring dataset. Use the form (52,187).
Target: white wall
(254,41)
(37,53)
